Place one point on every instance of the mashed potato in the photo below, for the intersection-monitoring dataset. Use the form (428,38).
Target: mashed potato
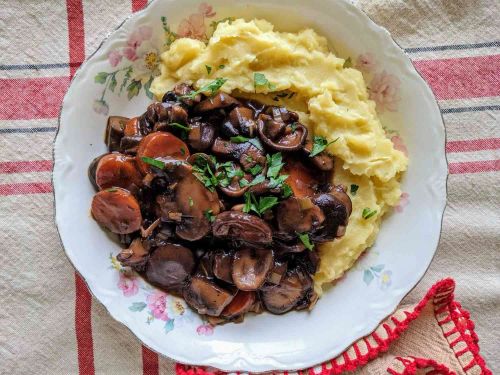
(331,100)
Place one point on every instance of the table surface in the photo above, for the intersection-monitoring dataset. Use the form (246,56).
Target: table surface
(48,317)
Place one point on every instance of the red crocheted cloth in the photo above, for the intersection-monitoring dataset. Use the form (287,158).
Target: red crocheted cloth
(455,324)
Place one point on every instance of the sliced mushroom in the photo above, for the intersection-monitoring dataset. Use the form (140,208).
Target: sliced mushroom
(281,138)
(241,304)
(173,169)
(132,127)
(251,267)
(237,225)
(115,131)
(242,119)
(298,215)
(117,210)
(219,100)
(323,160)
(160,144)
(92,170)
(336,207)
(135,256)
(169,267)
(290,245)
(302,180)
(130,144)
(206,297)
(279,299)
(193,200)
(277,272)
(282,114)
(247,153)
(118,170)
(181,90)
(201,136)
(223,265)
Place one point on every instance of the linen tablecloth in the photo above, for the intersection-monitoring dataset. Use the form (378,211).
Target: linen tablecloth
(49,322)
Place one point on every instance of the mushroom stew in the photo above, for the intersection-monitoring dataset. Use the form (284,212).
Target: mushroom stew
(219,200)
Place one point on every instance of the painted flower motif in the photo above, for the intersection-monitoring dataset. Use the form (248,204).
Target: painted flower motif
(146,63)
(101,107)
(367,62)
(404,200)
(384,91)
(205,330)
(129,53)
(139,35)
(194,26)
(114,58)
(398,143)
(157,303)
(128,285)
(385,279)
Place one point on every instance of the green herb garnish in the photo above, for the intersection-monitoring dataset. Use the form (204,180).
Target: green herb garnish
(239,139)
(368,213)
(222,66)
(294,126)
(320,144)
(274,163)
(260,80)
(210,88)
(191,202)
(347,63)
(112,190)
(278,181)
(256,169)
(183,152)
(214,24)
(209,215)
(259,206)
(155,163)
(304,238)
(179,126)
(256,143)
(287,191)
(354,189)
(257,180)
(209,69)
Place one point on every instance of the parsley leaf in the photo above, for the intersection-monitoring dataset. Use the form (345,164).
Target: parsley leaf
(294,126)
(348,63)
(277,182)
(368,213)
(256,143)
(259,206)
(209,215)
(179,126)
(112,190)
(260,80)
(319,145)
(222,66)
(354,189)
(239,139)
(191,202)
(257,180)
(155,163)
(304,238)
(287,191)
(275,164)
(210,88)
(209,69)
(256,169)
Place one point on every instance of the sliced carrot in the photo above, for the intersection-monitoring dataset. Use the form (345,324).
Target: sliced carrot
(160,144)
(118,170)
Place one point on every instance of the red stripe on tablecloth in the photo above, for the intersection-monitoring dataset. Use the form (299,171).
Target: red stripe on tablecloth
(474,166)
(149,358)
(25,166)
(76,34)
(83,299)
(23,188)
(464,77)
(473,145)
(31,98)
(149,362)
(138,5)
(83,325)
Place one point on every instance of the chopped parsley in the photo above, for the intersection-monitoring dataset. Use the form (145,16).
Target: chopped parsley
(214,24)
(155,163)
(304,238)
(260,80)
(274,164)
(259,206)
(354,189)
(183,151)
(239,139)
(320,144)
(287,191)
(112,190)
(278,181)
(191,202)
(209,215)
(210,88)
(256,143)
(257,180)
(368,213)
(179,126)
(222,66)
(256,169)
(348,63)
(209,69)
(294,126)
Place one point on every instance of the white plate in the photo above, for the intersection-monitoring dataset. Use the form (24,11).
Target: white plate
(348,311)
